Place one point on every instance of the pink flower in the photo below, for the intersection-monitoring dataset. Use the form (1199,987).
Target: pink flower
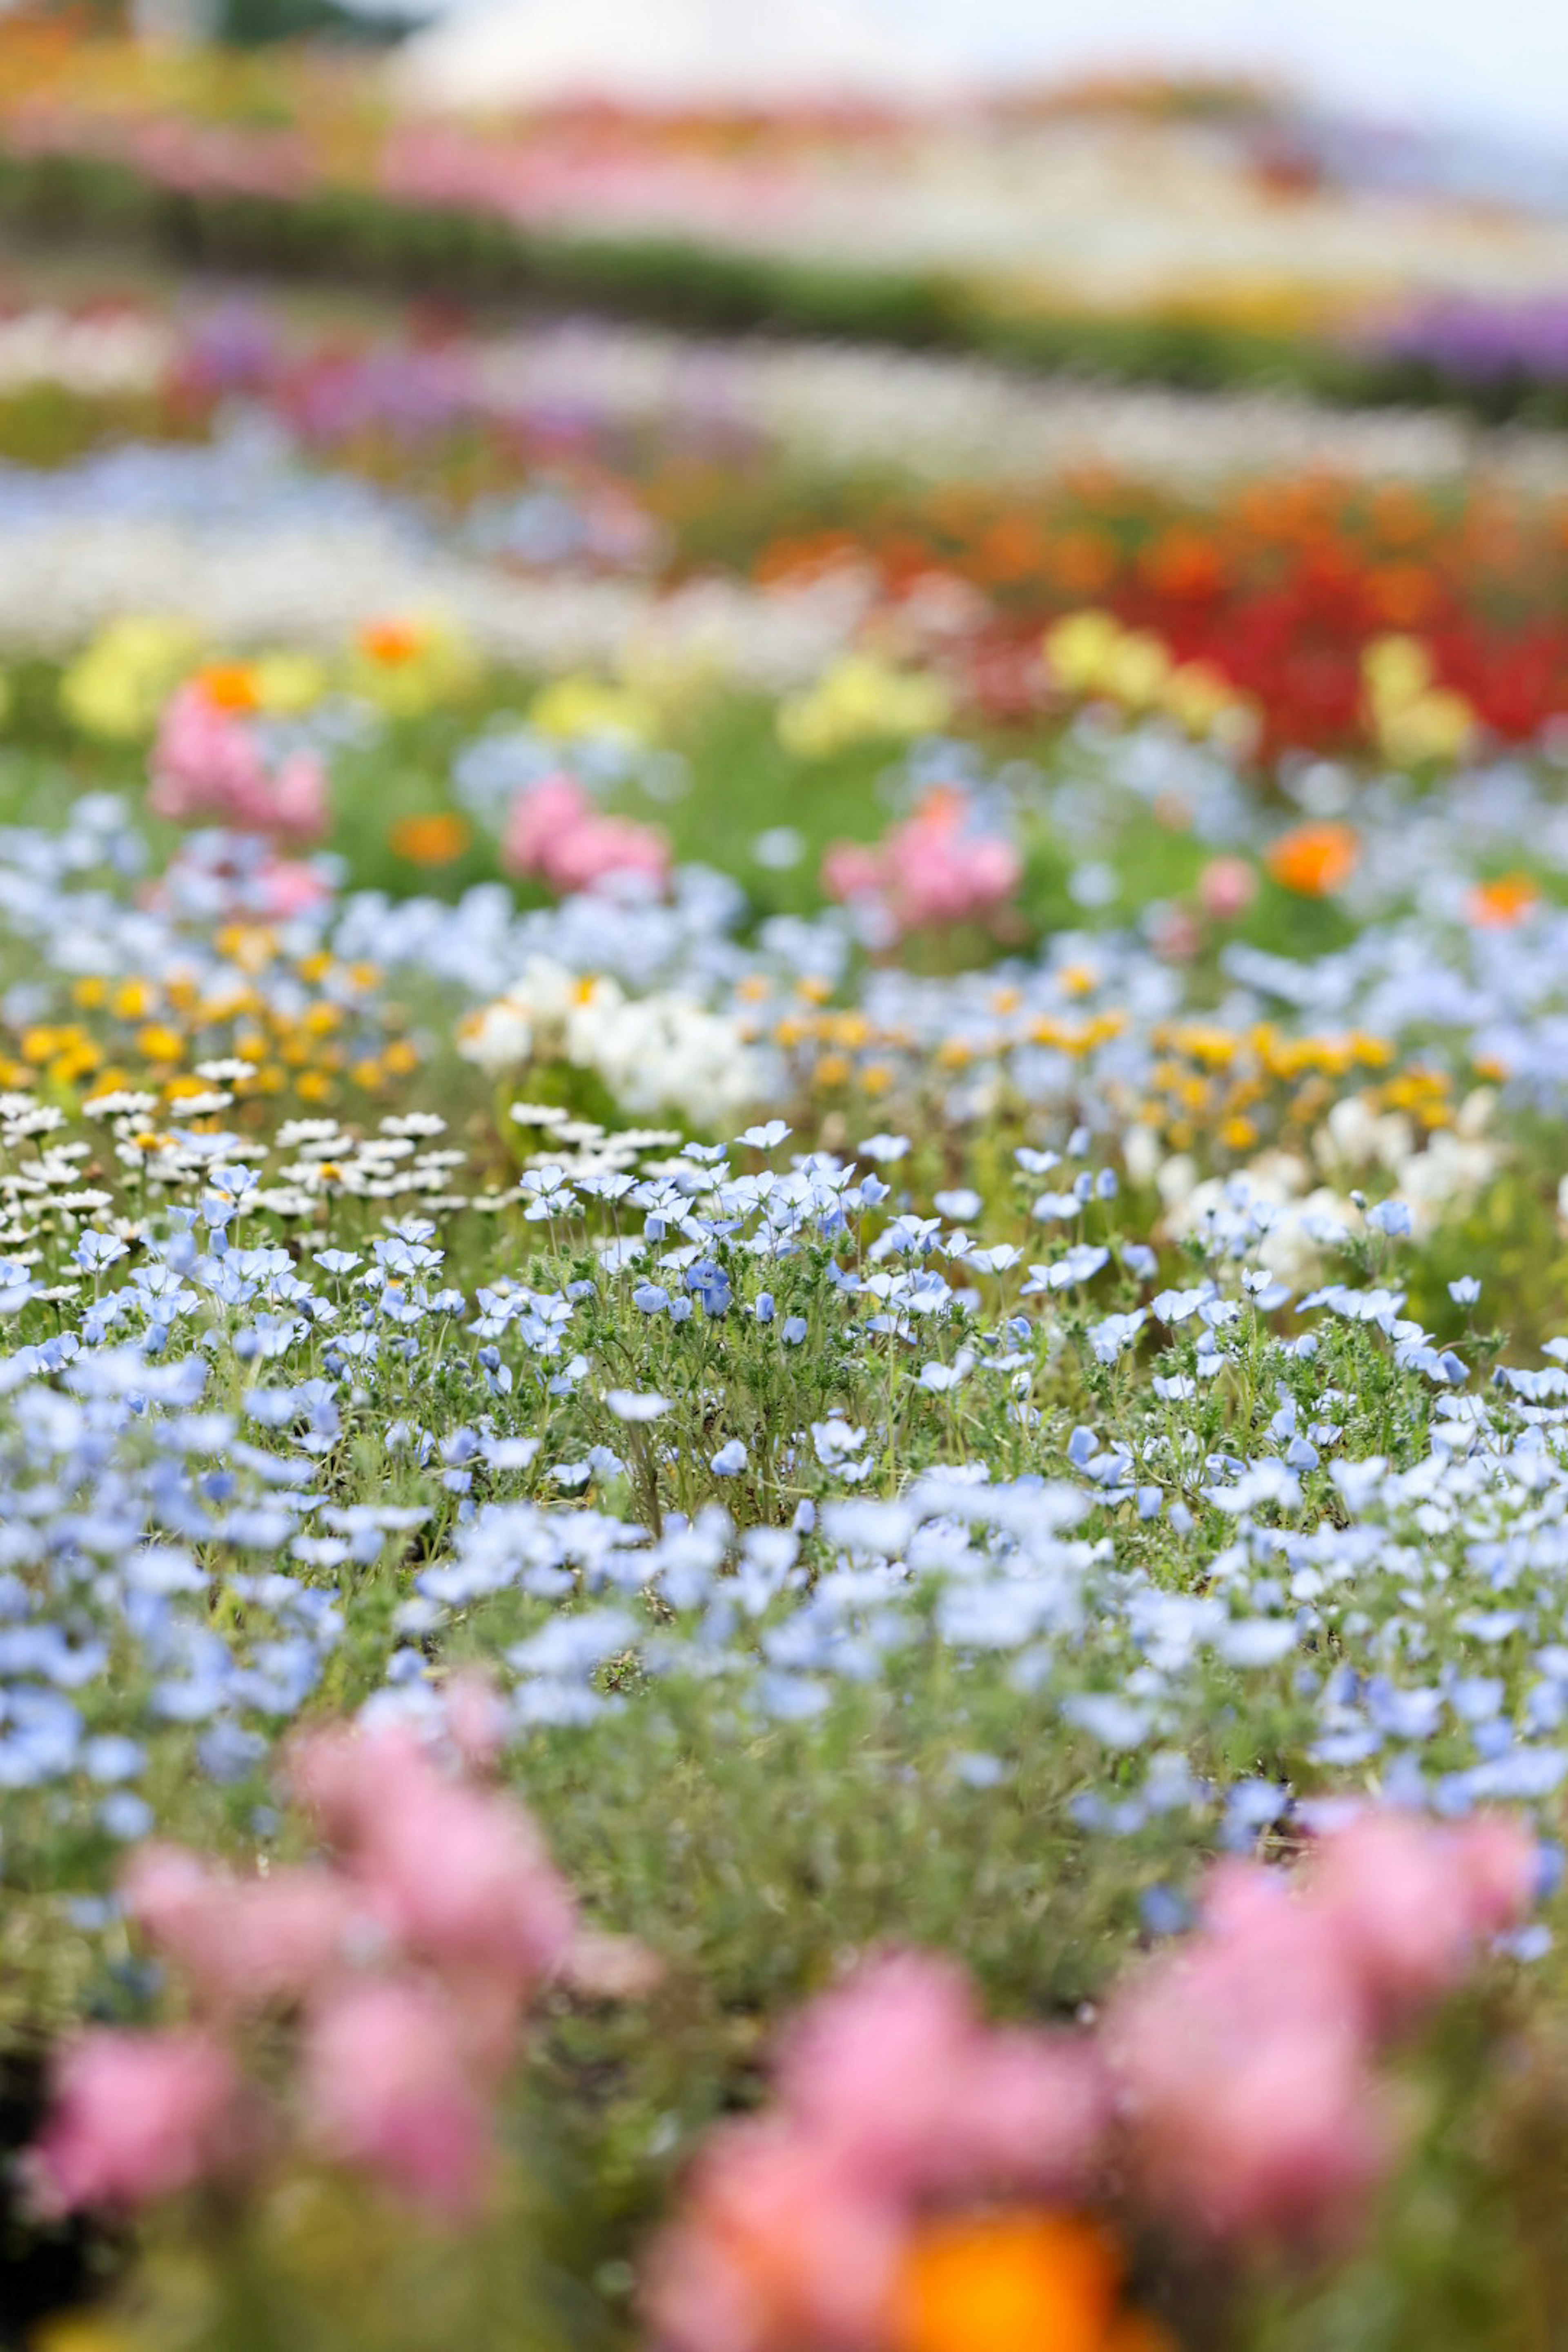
(476,1718)
(387,2086)
(1243,2059)
(931,871)
(242,1943)
(209,762)
(1246,2113)
(780,2247)
(1410,1903)
(456,1876)
(287,886)
(850,871)
(894,2095)
(555,831)
(136,2116)
(898,2072)
(1226,888)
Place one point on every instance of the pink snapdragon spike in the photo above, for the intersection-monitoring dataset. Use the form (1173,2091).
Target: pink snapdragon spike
(403,1963)
(209,762)
(1244,2058)
(554,832)
(1411,1903)
(136,2116)
(900,2073)
(894,2095)
(929,872)
(457,1877)
(776,2249)
(387,2088)
(242,1944)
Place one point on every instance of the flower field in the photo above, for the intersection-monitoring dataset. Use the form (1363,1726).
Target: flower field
(783,1247)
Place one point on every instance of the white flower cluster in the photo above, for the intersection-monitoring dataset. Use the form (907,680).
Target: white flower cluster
(662,1052)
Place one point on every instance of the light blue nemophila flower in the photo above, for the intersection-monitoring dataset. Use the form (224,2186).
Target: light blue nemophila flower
(709,1285)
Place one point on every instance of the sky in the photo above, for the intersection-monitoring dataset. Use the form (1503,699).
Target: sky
(1491,65)
(1499,65)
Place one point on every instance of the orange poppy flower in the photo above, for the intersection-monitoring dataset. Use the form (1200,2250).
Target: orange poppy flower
(391,644)
(1015,2283)
(1498,906)
(433,840)
(231,685)
(1314,860)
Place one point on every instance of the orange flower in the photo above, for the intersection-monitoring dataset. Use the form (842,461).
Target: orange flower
(1029,2282)
(391,644)
(433,840)
(231,685)
(1314,860)
(1498,906)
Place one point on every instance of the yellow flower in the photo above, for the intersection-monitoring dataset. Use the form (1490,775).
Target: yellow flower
(117,686)
(160,1042)
(1414,718)
(861,699)
(579,705)
(78,2331)
(408,666)
(1138,671)
(133,1000)
(1079,649)
(288,684)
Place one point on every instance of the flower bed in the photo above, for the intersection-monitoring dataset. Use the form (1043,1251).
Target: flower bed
(783,1397)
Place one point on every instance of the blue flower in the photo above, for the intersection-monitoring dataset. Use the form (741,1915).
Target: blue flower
(709,1282)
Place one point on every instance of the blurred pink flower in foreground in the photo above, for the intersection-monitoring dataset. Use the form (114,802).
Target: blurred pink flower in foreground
(210,760)
(387,2087)
(931,870)
(555,831)
(135,2117)
(899,2074)
(240,1943)
(401,1967)
(893,2093)
(455,1876)
(1243,2059)
(1233,2087)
